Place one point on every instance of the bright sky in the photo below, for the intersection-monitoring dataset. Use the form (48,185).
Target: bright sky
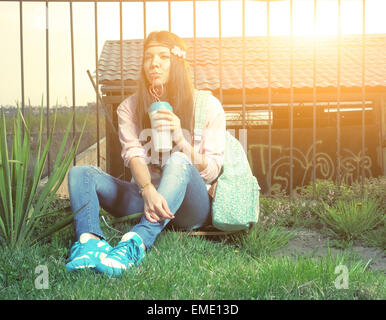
(157,19)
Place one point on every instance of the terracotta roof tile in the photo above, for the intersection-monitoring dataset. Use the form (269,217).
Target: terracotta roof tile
(256,62)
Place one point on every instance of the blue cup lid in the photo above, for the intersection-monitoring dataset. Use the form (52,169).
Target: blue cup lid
(160,105)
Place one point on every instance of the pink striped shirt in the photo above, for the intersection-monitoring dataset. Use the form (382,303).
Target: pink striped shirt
(212,144)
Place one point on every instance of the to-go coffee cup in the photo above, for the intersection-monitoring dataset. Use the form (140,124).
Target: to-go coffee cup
(161,138)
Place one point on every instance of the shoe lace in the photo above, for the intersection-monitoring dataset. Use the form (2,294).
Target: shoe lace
(76,250)
(129,248)
(81,247)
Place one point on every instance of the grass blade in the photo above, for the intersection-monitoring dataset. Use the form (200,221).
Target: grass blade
(21,156)
(5,179)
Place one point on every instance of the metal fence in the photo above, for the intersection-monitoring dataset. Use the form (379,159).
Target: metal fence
(269,104)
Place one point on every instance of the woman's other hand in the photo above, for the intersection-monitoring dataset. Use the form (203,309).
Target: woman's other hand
(156,207)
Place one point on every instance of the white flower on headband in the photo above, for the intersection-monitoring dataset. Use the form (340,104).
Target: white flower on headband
(178,52)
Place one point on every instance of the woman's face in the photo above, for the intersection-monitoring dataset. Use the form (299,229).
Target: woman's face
(157,64)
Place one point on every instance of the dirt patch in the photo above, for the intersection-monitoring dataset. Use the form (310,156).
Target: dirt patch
(314,244)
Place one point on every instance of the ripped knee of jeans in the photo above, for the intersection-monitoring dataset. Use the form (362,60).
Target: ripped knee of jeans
(179,159)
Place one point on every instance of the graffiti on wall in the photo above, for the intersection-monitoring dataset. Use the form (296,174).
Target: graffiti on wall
(325,166)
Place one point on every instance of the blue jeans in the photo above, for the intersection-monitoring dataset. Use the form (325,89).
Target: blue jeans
(181,185)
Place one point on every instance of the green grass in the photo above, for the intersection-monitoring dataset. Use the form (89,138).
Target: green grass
(185,267)
(241,266)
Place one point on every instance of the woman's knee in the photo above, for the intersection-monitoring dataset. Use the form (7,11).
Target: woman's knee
(77,174)
(179,159)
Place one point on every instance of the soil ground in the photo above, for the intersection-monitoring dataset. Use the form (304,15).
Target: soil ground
(313,243)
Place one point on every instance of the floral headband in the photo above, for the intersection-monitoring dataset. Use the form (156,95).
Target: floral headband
(176,50)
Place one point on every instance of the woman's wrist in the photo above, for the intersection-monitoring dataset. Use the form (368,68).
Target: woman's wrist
(144,187)
(148,191)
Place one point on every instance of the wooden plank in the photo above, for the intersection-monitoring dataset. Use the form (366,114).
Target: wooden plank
(209,233)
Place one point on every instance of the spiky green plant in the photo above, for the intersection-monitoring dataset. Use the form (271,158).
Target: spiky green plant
(350,219)
(22,205)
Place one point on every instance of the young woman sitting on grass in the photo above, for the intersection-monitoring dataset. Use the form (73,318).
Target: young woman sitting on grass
(175,190)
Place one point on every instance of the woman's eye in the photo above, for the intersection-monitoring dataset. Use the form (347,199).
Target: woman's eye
(163,57)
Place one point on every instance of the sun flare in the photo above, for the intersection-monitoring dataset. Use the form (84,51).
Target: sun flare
(327,19)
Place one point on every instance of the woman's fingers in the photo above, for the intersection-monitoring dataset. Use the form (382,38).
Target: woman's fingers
(166,208)
(157,215)
(151,216)
(169,120)
(162,212)
(166,111)
(164,125)
(164,116)
(148,217)
(169,116)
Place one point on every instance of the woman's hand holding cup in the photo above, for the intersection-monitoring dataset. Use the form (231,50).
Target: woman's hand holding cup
(161,135)
(171,122)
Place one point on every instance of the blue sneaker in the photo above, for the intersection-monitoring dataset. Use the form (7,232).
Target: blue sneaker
(127,253)
(87,253)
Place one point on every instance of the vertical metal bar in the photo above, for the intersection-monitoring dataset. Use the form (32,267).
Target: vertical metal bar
(21,57)
(291,98)
(363,93)
(144,38)
(73,76)
(121,48)
(269,99)
(48,89)
(220,51)
(243,66)
(121,64)
(194,44)
(170,15)
(144,19)
(338,116)
(97,79)
(314,109)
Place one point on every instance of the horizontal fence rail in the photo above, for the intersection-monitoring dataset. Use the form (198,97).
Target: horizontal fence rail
(241,111)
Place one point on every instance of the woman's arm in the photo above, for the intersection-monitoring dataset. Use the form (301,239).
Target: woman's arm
(134,155)
(140,171)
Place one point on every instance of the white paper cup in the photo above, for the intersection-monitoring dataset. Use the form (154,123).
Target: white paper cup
(161,137)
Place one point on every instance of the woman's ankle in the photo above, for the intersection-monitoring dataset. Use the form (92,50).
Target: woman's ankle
(90,235)
(127,235)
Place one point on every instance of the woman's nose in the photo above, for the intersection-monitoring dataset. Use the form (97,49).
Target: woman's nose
(155,61)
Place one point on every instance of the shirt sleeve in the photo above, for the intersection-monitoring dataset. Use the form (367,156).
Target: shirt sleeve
(213,142)
(128,131)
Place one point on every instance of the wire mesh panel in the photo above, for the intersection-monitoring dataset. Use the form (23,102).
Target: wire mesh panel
(273,89)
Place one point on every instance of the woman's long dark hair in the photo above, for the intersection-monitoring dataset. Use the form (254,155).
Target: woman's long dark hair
(179,88)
